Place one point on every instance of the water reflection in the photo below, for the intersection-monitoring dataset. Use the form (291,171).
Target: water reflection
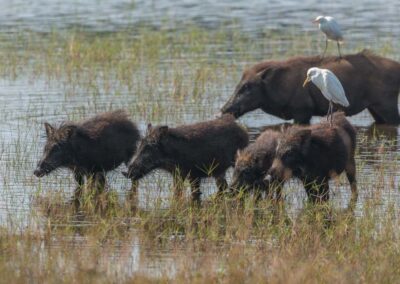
(360,19)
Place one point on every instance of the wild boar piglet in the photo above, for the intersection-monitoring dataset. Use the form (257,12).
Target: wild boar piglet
(315,154)
(193,152)
(253,162)
(89,148)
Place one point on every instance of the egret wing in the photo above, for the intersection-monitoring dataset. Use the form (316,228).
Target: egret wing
(332,29)
(319,81)
(335,89)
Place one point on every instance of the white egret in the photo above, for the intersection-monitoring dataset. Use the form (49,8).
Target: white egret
(331,29)
(330,87)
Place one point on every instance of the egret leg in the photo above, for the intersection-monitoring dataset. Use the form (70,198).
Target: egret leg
(338,46)
(331,112)
(326,47)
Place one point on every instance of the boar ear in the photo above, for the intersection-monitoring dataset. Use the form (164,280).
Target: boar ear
(238,153)
(49,129)
(149,127)
(304,134)
(268,73)
(284,127)
(67,132)
(162,131)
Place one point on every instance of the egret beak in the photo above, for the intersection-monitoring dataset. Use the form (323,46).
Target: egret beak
(306,81)
(315,21)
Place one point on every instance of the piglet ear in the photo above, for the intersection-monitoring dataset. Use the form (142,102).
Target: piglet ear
(67,132)
(49,129)
(284,126)
(149,127)
(163,130)
(304,134)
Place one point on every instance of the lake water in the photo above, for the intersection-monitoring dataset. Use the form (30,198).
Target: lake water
(25,103)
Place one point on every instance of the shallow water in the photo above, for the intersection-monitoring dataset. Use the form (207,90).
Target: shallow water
(360,19)
(25,103)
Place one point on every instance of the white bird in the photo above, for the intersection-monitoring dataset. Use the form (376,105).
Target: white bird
(330,87)
(331,29)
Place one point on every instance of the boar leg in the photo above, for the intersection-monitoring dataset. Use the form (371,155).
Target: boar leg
(134,187)
(302,116)
(387,113)
(195,186)
(100,181)
(317,190)
(178,186)
(278,191)
(351,176)
(221,182)
(324,191)
(80,179)
(310,190)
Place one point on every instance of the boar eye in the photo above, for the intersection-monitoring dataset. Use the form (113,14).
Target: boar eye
(150,144)
(287,156)
(290,158)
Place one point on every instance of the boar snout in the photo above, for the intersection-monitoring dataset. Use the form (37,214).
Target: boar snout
(132,173)
(42,169)
(232,108)
(278,172)
(275,172)
(39,172)
(268,179)
(234,186)
(235,111)
(127,174)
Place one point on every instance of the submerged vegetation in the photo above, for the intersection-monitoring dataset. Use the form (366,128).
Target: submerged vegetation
(175,77)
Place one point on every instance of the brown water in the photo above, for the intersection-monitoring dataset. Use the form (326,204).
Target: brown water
(26,103)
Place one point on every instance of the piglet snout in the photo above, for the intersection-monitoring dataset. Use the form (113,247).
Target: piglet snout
(39,172)
(268,178)
(126,174)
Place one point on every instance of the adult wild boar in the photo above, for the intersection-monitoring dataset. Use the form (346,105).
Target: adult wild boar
(369,81)
(315,154)
(253,162)
(191,151)
(90,148)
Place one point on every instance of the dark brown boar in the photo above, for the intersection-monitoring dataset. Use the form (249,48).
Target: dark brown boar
(90,148)
(191,151)
(315,154)
(253,162)
(369,81)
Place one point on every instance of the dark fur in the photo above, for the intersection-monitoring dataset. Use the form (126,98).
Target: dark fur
(253,162)
(191,151)
(369,81)
(315,154)
(89,148)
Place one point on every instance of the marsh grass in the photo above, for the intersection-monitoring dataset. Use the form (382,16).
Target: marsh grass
(138,61)
(222,241)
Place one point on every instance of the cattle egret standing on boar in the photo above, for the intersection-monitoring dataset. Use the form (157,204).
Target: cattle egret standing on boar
(331,29)
(330,87)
